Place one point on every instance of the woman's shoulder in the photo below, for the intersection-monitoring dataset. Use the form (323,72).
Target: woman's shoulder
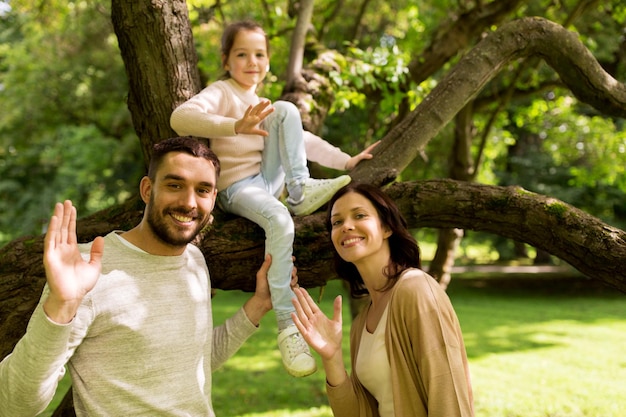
(414,277)
(416,286)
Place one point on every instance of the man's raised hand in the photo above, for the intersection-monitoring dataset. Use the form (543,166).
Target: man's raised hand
(69,276)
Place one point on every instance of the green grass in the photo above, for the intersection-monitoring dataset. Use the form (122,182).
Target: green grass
(544,348)
(537,348)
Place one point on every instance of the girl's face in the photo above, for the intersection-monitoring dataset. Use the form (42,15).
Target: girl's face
(357,232)
(247,61)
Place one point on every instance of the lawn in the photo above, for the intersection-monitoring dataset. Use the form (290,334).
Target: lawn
(537,346)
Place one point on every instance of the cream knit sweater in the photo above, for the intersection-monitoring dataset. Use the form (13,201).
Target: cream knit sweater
(141,344)
(212,114)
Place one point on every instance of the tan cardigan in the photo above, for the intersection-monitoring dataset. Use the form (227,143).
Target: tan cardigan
(429,369)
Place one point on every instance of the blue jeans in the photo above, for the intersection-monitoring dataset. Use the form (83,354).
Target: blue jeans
(257,198)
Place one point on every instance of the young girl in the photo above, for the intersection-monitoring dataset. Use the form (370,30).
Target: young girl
(262,147)
(407,352)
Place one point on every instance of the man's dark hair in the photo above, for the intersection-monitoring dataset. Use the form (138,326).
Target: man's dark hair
(185,144)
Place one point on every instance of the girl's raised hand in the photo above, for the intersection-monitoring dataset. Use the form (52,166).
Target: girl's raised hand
(254,115)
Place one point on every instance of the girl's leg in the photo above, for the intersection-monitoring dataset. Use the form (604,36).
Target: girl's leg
(284,153)
(253,199)
(284,160)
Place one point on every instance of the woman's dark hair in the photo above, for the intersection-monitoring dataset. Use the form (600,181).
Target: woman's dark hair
(403,247)
(186,144)
(231,31)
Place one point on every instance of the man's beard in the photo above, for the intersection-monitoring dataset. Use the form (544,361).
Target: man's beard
(167,233)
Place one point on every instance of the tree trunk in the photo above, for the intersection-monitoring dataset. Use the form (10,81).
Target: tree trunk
(440,268)
(298,41)
(156,43)
(461,168)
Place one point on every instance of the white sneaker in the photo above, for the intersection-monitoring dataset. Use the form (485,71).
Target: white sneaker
(316,193)
(296,355)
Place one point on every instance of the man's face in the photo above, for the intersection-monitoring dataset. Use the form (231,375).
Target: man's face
(180,199)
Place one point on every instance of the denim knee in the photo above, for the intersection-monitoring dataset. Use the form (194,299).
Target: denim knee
(285,109)
(282,227)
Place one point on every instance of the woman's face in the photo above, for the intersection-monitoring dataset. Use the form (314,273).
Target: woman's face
(248,61)
(357,232)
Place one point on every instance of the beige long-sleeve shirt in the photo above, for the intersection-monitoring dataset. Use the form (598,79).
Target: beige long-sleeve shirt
(141,344)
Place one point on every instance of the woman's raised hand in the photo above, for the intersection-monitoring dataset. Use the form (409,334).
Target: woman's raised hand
(321,333)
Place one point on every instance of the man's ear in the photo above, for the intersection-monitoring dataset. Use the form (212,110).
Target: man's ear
(145,189)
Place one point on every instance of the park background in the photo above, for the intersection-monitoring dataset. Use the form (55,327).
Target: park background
(540,344)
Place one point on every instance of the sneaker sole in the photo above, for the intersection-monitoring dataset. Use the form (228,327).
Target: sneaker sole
(301,374)
(314,207)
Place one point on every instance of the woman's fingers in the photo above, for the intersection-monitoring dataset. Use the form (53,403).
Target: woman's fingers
(300,303)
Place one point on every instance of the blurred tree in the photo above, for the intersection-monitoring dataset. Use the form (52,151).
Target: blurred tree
(65,128)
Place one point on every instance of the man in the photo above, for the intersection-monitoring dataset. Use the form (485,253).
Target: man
(130,313)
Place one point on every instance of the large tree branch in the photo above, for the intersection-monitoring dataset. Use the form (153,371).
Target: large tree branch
(560,48)
(234,246)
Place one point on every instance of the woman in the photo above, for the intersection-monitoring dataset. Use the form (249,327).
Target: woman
(407,352)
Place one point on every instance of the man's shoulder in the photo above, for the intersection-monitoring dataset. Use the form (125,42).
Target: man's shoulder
(194,251)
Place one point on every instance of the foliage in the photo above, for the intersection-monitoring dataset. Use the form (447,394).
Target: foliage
(574,155)
(65,131)
(63,85)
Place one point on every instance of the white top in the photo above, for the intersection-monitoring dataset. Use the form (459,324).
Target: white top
(372,366)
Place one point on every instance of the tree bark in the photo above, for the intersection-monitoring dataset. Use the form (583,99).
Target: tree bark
(234,246)
(461,168)
(156,43)
(594,248)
